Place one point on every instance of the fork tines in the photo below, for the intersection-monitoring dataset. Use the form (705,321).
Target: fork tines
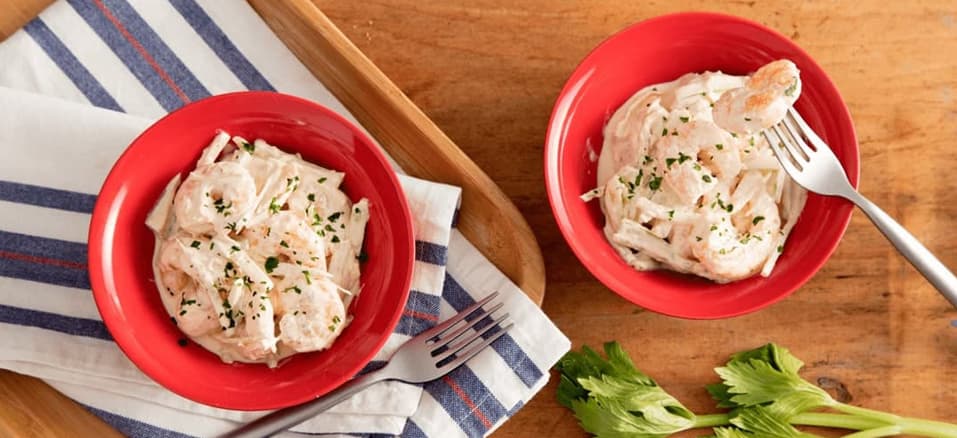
(467,333)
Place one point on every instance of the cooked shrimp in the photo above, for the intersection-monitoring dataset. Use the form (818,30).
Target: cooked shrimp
(314,315)
(286,234)
(762,102)
(213,198)
(683,190)
(256,253)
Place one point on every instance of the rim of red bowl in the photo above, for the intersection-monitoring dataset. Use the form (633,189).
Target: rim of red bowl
(108,311)
(552,176)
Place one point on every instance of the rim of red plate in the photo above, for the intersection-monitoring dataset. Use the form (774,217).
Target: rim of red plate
(553,175)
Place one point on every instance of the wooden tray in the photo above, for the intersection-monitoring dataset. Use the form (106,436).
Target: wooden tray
(30,407)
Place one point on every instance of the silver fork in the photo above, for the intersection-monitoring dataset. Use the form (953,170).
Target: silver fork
(426,357)
(816,168)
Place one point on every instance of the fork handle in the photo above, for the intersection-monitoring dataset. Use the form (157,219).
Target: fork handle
(286,418)
(915,252)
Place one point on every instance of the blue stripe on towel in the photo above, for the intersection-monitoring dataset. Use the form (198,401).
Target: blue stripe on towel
(43,260)
(476,414)
(70,65)
(421,313)
(431,253)
(133,428)
(511,352)
(46,197)
(165,93)
(412,430)
(221,45)
(70,325)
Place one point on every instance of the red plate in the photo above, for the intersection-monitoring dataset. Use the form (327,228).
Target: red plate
(121,248)
(660,50)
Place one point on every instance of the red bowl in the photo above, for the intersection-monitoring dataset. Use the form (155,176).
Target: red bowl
(121,248)
(662,49)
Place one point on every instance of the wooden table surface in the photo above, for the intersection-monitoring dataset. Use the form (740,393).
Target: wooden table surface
(487,72)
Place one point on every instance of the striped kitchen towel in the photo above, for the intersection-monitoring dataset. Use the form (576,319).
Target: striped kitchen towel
(83,79)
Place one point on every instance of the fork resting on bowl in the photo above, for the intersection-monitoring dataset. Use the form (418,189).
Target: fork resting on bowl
(810,162)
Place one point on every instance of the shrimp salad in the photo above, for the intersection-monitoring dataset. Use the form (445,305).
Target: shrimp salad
(687,183)
(257,252)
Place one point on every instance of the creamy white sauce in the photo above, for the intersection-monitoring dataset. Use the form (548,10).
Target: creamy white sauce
(256,252)
(687,182)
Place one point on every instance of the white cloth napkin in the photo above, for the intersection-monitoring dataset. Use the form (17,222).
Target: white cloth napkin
(145,58)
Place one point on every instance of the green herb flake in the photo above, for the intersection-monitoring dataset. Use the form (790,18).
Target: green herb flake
(311,197)
(684,119)
(249,147)
(195,244)
(274,206)
(308,278)
(335,216)
(283,244)
(756,220)
(789,92)
(335,239)
(719,146)
(322,180)
(271,264)
(655,182)
(706,178)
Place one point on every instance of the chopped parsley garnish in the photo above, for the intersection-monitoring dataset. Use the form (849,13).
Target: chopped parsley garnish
(268,231)
(706,178)
(329,228)
(332,327)
(747,119)
(719,146)
(780,248)
(714,227)
(655,182)
(292,183)
(182,312)
(697,166)
(322,180)
(335,216)
(293,288)
(316,220)
(670,161)
(697,238)
(195,244)
(335,239)
(756,220)
(683,119)
(249,147)
(336,319)
(790,90)
(229,268)
(311,197)
(671,214)
(274,206)
(682,158)
(664,131)
(357,211)
(222,208)
(308,278)
(211,246)
(234,248)
(648,159)
(283,244)
(271,264)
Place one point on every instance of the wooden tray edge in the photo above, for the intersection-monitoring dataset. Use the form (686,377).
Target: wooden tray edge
(403,129)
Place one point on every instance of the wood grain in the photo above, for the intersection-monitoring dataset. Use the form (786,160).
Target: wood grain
(487,217)
(488,71)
